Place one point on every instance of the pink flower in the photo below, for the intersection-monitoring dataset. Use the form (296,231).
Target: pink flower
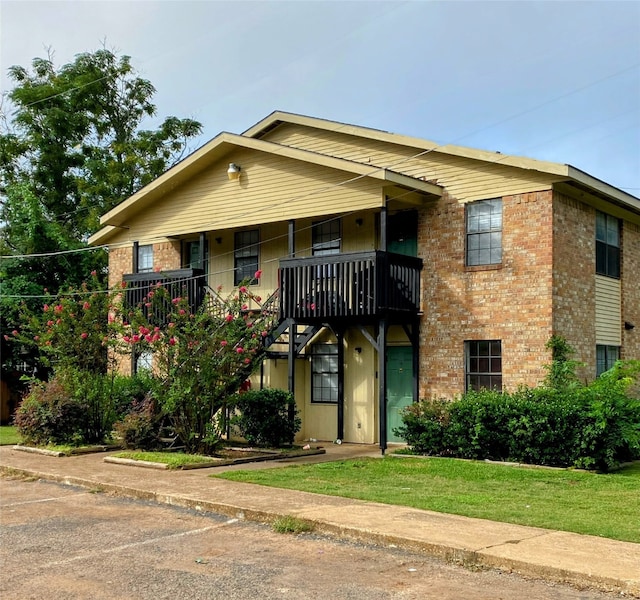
(156,328)
(110,319)
(94,273)
(258,274)
(176,300)
(148,304)
(239,349)
(135,338)
(58,308)
(123,284)
(49,323)
(247,361)
(258,299)
(172,325)
(264,334)
(6,337)
(243,289)
(126,338)
(143,330)
(313,306)
(224,343)
(15,332)
(182,311)
(45,307)
(229,318)
(245,306)
(84,335)
(156,337)
(86,306)
(36,337)
(148,337)
(58,321)
(172,341)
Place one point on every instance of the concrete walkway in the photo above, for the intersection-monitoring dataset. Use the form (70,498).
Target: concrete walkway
(584,561)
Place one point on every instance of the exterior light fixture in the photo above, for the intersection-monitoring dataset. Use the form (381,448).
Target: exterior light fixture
(629,326)
(233,172)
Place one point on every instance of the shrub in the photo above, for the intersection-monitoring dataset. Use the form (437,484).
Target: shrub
(424,427)
(140,427)
(50,415)
(267,418)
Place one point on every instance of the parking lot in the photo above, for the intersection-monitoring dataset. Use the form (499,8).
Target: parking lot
(66,542)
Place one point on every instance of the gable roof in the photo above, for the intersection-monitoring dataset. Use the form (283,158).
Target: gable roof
(565,171)
(252,139)
(221,145)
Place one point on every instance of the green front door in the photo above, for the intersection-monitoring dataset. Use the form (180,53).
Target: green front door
(399,386)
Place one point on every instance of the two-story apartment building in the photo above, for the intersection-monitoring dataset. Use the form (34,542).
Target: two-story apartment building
(403,269)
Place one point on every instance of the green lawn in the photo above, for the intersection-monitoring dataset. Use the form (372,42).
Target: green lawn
(577,501)
(8,435)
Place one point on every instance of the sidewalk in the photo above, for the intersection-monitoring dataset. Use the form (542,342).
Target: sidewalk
(584,561)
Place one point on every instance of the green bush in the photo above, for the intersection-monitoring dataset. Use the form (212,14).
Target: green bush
(267,418)
(596,426)
(50,415)
(140,427)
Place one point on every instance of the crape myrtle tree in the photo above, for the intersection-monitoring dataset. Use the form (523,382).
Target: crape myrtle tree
(72,146)
(201,356)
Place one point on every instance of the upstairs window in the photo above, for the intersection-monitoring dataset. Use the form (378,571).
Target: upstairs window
(245,255)
(326,238)
(484,232)
(483,365)
(607,245)
(145,258)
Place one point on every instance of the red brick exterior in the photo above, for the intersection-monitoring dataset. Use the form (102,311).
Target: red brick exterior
(631,290)
(574,283)
(511,302)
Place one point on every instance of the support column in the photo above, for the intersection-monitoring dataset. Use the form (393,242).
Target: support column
(340,339)
(291,364)
(382,383)
(292,238)
(134,257)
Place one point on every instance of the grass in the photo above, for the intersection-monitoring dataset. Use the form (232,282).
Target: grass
(566,500)
(8,435)
(173,460)
(288,524)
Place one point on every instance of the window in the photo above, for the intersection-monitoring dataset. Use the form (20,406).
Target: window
(145,258)
(143,361)
(325,237)
(484,365)
(484,232)
(245,255)
(606,356)
(192,256)
(607,245)
(324,368)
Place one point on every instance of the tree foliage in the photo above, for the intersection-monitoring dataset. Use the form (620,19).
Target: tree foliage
(72,146)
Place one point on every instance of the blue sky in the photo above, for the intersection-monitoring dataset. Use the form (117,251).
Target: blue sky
(557,81)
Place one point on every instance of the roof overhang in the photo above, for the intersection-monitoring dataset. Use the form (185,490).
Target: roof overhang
(215,151)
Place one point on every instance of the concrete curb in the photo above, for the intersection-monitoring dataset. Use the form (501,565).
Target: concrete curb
(483,558)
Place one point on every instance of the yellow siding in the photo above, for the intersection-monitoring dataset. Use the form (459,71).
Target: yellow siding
(608,311)
(464,178)
(271,188)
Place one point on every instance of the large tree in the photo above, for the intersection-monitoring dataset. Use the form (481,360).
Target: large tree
(72,146)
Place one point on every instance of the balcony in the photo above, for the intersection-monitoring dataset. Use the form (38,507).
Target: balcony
(364,286)
(189,283)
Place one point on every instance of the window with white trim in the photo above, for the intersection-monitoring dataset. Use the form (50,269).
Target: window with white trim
(607,245)
(145,258)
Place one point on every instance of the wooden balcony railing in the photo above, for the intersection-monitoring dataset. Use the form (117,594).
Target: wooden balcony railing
(362,285)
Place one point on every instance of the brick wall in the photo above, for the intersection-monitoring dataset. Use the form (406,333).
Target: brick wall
(631,290)
(574,309)
(166,256)
(511,302)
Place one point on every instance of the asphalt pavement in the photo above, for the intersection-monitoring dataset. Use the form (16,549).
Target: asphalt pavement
(581,560)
